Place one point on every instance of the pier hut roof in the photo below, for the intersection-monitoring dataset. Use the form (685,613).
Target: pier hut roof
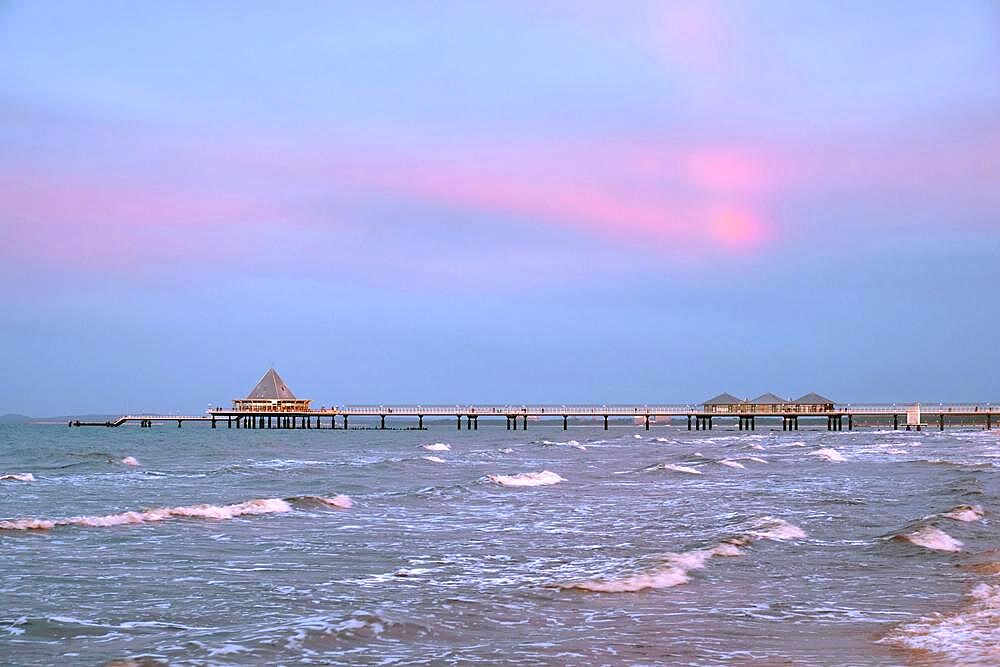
(768,399)
(271,387)
(812,398)
(724,399)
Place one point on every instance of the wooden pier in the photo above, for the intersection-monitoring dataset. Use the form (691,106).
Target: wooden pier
(272,405)
(898,417)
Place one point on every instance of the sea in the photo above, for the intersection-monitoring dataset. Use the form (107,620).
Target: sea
(192,546)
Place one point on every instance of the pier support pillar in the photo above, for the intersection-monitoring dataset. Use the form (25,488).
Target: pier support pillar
(420,422)
(895,422)
(647,422)
(941,421)
(710,423)
(697,423)
(382,424)
(475,423)
(524,424)
(468,422)
(753,423)
(459,422)
(565,422)
(345,422)
(850,422)
(689,422)
(178,423)
(605,422)
(213,422)
(508,422)
(989,421)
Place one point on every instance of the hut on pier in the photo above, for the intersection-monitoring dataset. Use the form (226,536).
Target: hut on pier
(768,403)
(813,402)
(271,395)
(725,404)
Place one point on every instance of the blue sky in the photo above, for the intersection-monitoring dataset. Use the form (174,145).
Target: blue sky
(510,202)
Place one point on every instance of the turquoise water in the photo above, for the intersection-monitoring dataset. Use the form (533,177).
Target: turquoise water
(662,546)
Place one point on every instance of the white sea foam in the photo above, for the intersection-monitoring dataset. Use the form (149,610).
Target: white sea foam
(433,459)
(964,513)
(679,468)
(339,500)
(968,636)
(570,443)
(756,446)
(130,461)
(543,478)
(771,528)
(18,477)
(637,436)
(731,463)
(755,459)
(506,450)
(676,567)
(257,506)
(930,537)
(438,447)
(829,454)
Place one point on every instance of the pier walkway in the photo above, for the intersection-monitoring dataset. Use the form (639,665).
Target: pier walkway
(698,417)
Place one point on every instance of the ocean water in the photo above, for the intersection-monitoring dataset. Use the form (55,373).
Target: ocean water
(583,547)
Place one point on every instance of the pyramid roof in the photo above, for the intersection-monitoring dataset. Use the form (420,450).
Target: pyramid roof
(724,399)
(812,398)
(271,387)
(768,399)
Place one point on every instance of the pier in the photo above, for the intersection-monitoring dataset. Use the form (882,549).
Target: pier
(272,405)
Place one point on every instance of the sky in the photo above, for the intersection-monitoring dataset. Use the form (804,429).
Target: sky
(454,202)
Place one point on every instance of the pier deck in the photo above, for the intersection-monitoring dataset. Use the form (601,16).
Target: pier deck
(909,416)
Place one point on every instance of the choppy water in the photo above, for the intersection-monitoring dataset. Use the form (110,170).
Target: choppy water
(586,547)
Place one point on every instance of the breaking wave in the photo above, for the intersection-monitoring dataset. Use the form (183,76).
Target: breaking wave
(829,454)
(731,463)
(438,447)
(18,477)
(676,567)
(570,443)
(676,468)
(930,537)
(250,507)
(130,461)
(340,501)
(433,459)
(971,635)
(543,478)
(966,513)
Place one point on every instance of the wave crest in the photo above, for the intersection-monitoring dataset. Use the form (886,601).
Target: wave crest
(970,635)
(18,477)
(930,537)
(205,511)
(829,454)
(676,567)
(543,478)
